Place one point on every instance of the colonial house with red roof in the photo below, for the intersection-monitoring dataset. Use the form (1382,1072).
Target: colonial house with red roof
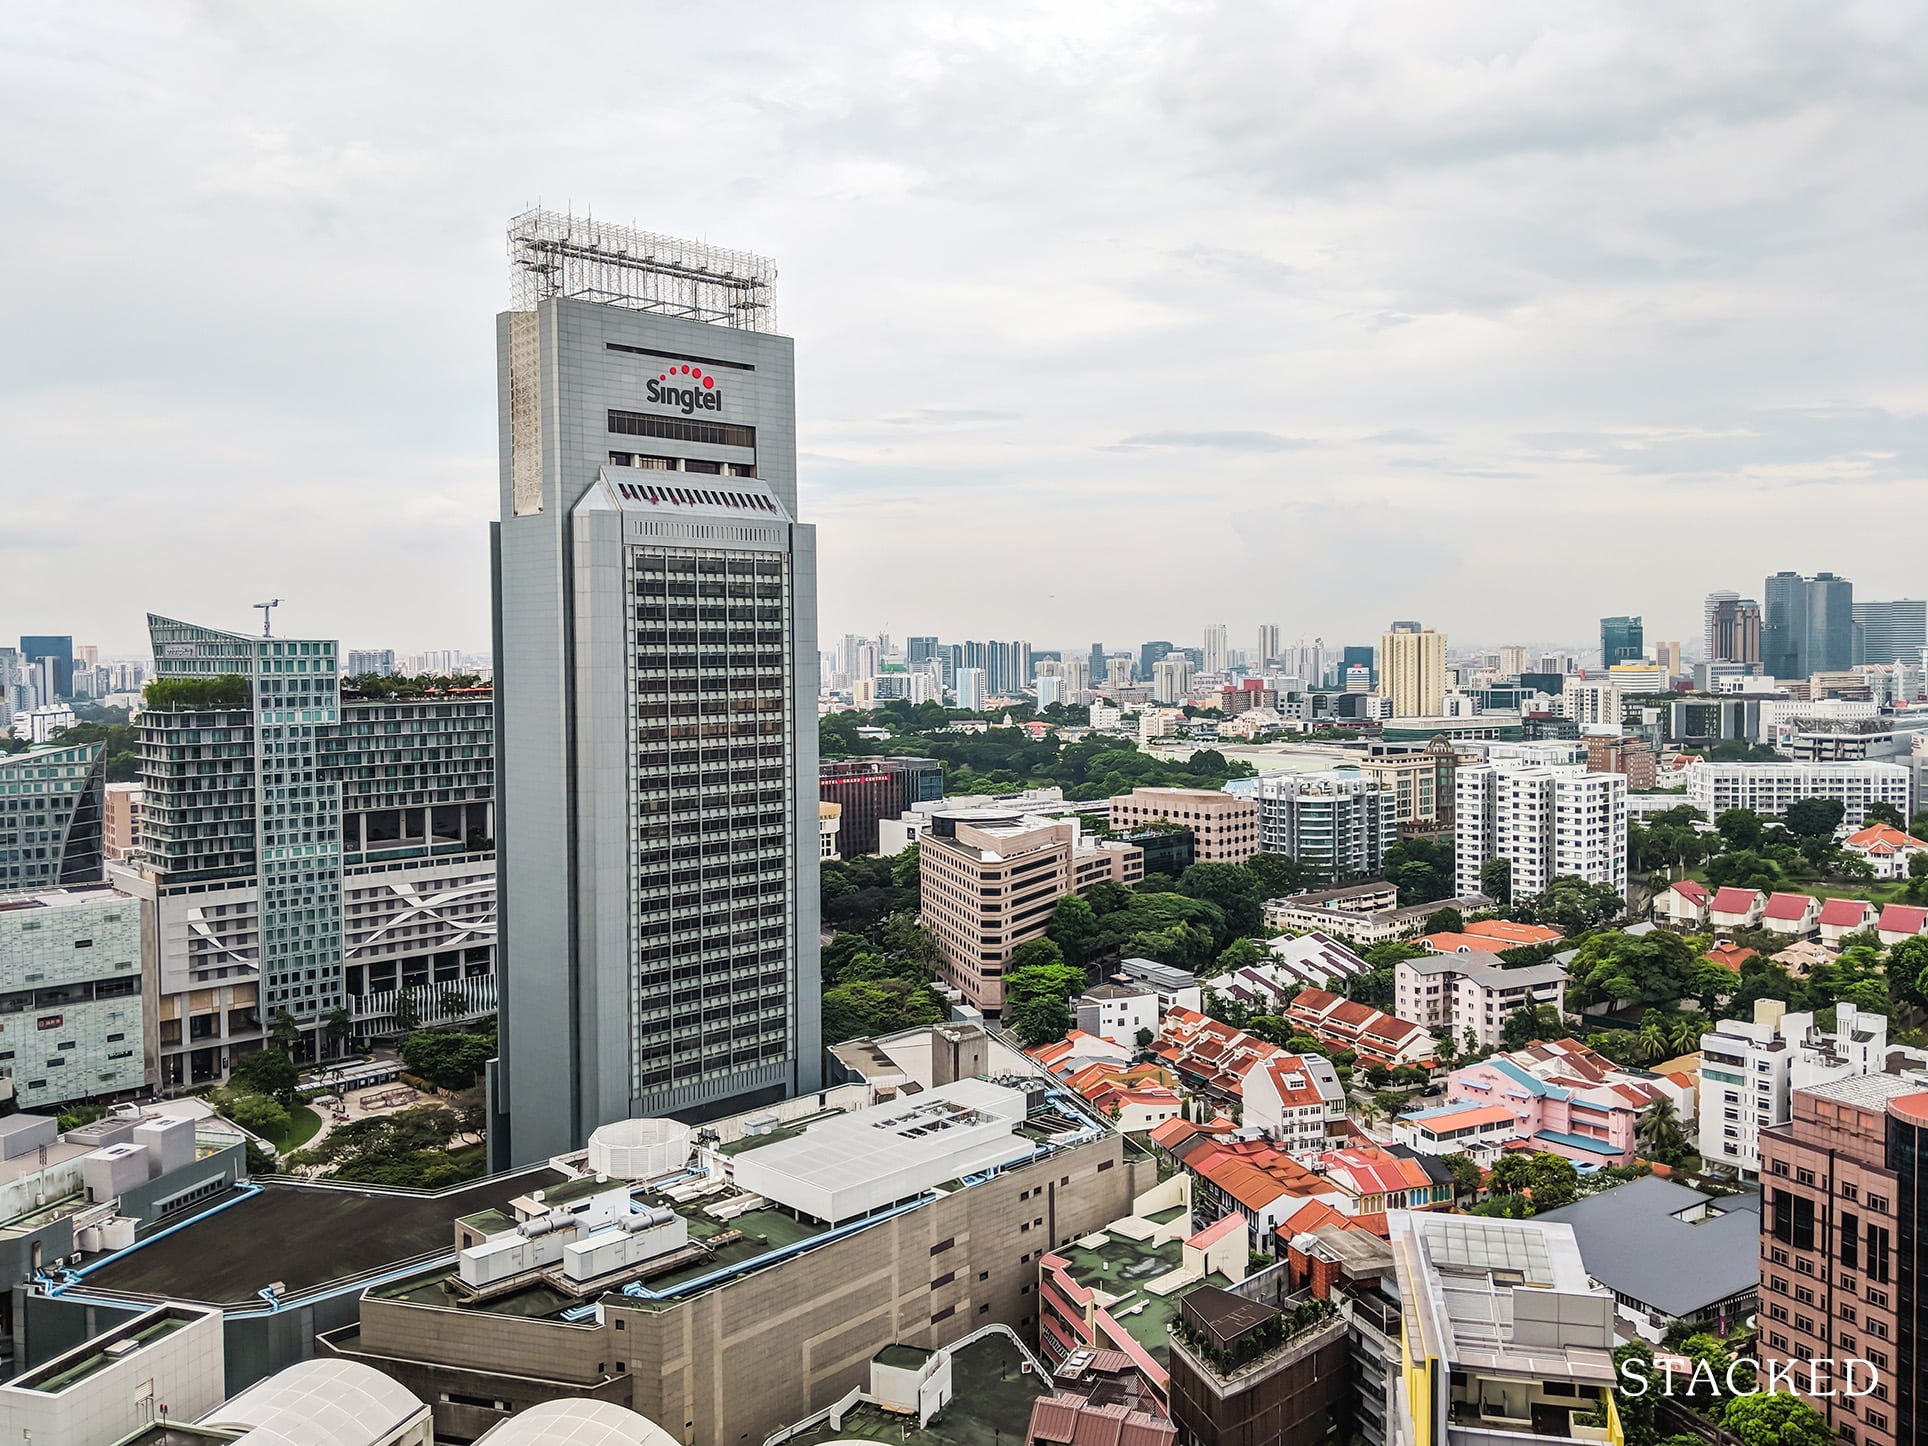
(1488,936)
(1732,908)
(1136,1098)
(1208,1055)
(1795,915)
(1901,921)
(1078,1050)
(1297,1100)
(1731,955)
(1886,848)
(1375,1036)
(1567,1099)
(1465,1128)
(1684,905)
(1842,917)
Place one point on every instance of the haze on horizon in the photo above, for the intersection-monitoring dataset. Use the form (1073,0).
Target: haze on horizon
(1112,320)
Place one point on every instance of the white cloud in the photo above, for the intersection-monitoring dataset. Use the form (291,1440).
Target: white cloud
(1582,310)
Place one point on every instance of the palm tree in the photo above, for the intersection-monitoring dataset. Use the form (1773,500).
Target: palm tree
(1661,1133)
(1686,1032)
(1652,1037)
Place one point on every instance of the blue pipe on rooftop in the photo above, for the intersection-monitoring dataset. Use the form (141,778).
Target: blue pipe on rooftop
(246,1190)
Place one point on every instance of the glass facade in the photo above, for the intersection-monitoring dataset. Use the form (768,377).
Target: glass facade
(50,817)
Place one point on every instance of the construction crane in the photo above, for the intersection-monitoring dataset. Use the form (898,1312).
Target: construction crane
(266,613)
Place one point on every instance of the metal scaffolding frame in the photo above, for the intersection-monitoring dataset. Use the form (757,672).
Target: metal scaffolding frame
(553,253)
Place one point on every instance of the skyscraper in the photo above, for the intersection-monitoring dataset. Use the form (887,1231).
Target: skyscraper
(1218,655)
(50,816)
(60,649)
(1149,654)
(1622,640)
(1889,631)
(1709,609)
(1808,625)
(1736,634)
(1412,670)
(655,612)
(1268,643)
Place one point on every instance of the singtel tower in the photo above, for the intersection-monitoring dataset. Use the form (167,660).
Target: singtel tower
(655,647)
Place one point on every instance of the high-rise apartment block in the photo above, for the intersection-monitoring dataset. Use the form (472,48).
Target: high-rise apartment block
(1769,788)
(1547,820)
(1412,670)
(120,821)
(363,661)
(50,816)
(1622,640)
(1337,825)
(1218,653)
(655,654)
(1268,648)
(1171,679)
(970,691)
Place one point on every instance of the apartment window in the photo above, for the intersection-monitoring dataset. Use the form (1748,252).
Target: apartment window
(1849,1192)
(1877,1421)
(943,1245)
(1878,1204)
(944,1279)
(1804,1177)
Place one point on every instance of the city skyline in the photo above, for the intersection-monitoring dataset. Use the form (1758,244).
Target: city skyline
(1339,323)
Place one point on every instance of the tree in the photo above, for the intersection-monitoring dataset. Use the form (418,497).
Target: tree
(1908,968)
(1241,954)
(1776,1418)
(1042,981)
(1143,1037)
(1037,953)
(255,1113)
(283,1032)
(1445,921)
(408,1015)
(1639,1414)
(1814,818)
(266,1072)
(1233,890)
(1421,868)
(451,1003)
(1467,1175)
(1652,1039)
(1649,972)
(1496,880)
(1073,928)
(1531,1022)
(1661,1133)
(911,941)
(1040,1019)
(860,1008)
(340,1024)
(1571,905)
(1740,828)
(1511,1173)
(446,1059)
(1276,874)
(1685,1030)
(1881,811)
(1554,1181)
(1917,887)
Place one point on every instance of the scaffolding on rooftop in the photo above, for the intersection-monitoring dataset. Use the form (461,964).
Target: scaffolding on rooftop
(553,253)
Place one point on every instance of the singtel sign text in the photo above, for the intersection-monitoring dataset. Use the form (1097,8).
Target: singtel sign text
(686,388)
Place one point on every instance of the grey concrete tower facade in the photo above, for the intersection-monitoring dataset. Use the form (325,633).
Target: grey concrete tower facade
(655,669)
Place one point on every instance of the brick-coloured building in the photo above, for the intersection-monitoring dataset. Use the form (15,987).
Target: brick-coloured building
(1635,759)
(864,795)
(1840,1269)
(989,881)
(1225,827)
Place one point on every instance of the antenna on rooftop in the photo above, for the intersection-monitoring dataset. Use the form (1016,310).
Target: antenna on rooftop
(266,613)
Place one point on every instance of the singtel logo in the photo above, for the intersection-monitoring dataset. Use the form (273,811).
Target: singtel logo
(686,388)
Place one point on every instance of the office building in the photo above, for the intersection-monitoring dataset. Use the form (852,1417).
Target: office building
(868,790)
(1547,821)
(373,877)
(1768,788)
(1171,679)
(1268,648)
(1150,653)
(1890,632)
(1841,1270)
(51,801)
(1807,625)
(1412,670)
(655,606)
(73,1026)
(1503,1333)
(1337,825)
(364,661)
(1709,608)
(1224,827)
(1622,640)
(1734,631)
(919,650)
(989,879)
(1217,654)
(57,654)
(1667,658)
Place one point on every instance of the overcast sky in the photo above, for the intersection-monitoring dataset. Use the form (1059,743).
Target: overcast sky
(1112,320)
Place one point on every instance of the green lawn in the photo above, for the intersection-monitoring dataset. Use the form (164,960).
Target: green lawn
(1879,891)
(303,1125)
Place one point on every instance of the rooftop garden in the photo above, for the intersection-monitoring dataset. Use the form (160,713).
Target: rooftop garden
(226,694)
